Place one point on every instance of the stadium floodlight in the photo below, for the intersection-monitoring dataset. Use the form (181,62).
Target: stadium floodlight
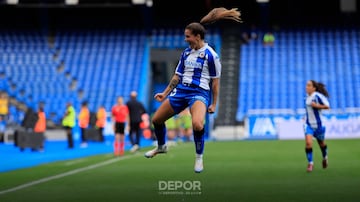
(262,1)
(138,2)
(148,3)
(71,2)
(348,6)
(12,2)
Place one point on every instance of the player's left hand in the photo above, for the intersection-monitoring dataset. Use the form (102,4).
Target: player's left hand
(160,97)
(211,109)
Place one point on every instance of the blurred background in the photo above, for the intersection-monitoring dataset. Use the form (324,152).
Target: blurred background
(58,51)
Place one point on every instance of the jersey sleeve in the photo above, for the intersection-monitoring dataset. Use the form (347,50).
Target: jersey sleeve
(321,99)
(181,66)
(214,65)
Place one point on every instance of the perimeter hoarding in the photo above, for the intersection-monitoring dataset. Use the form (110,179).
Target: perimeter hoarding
(338,126)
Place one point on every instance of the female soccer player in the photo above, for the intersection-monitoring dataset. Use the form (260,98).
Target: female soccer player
(316,101)
(195,84)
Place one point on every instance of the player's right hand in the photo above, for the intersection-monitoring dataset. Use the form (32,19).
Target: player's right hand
(160,97)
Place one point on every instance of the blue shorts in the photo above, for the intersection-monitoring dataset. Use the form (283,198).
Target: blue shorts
(185,96)
(318,133)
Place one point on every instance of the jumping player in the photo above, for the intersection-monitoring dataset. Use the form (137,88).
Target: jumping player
(195,84)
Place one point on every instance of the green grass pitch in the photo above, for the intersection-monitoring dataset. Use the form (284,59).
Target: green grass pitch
(233,171)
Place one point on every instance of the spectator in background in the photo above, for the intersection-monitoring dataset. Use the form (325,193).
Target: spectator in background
(253,32)
(30,119)
(4,106)
(4,111)
(101,121)
(84,119)
(250,34)
(68,123)
(120,115)
(145,126)
(268,39)
(40,126)
(136,110)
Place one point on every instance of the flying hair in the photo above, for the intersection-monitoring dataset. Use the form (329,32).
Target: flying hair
(320,87)
(220,13)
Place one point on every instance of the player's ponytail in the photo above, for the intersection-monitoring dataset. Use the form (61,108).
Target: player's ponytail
(320,87)
(213,16)
(221,13)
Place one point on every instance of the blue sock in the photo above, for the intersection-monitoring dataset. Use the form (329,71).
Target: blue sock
(199,141)
(160,132)
(324,151)
(309,155)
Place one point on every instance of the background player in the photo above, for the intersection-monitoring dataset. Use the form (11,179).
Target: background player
(316,101)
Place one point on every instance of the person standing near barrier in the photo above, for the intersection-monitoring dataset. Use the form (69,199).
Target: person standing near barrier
(40,126)
(195,84)
(136,110)
(84,119)
(315,102)
(101,121)
(4,106)
(120,115)
(68,123)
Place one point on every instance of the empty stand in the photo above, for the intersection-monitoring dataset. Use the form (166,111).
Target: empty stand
(275,77)
(101,64)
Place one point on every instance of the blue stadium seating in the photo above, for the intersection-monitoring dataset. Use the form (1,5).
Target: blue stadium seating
(104,63)
(275,77)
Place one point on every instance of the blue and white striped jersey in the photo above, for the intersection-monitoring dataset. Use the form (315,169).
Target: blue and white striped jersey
(314,117)
(196,67)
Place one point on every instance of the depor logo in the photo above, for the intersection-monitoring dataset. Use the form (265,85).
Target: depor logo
(178,187)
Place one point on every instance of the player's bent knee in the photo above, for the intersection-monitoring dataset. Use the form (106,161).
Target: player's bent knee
(157,122)
(197,126)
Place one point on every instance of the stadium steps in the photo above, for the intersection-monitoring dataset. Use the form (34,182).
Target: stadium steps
(229,80)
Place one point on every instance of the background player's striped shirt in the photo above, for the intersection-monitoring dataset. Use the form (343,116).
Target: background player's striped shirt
(314,117)
(196,67)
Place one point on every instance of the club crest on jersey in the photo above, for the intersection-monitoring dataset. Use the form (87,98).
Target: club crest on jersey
(201,55)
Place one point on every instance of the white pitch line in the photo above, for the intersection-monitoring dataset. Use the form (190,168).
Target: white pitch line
(47,179)
(69,163)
